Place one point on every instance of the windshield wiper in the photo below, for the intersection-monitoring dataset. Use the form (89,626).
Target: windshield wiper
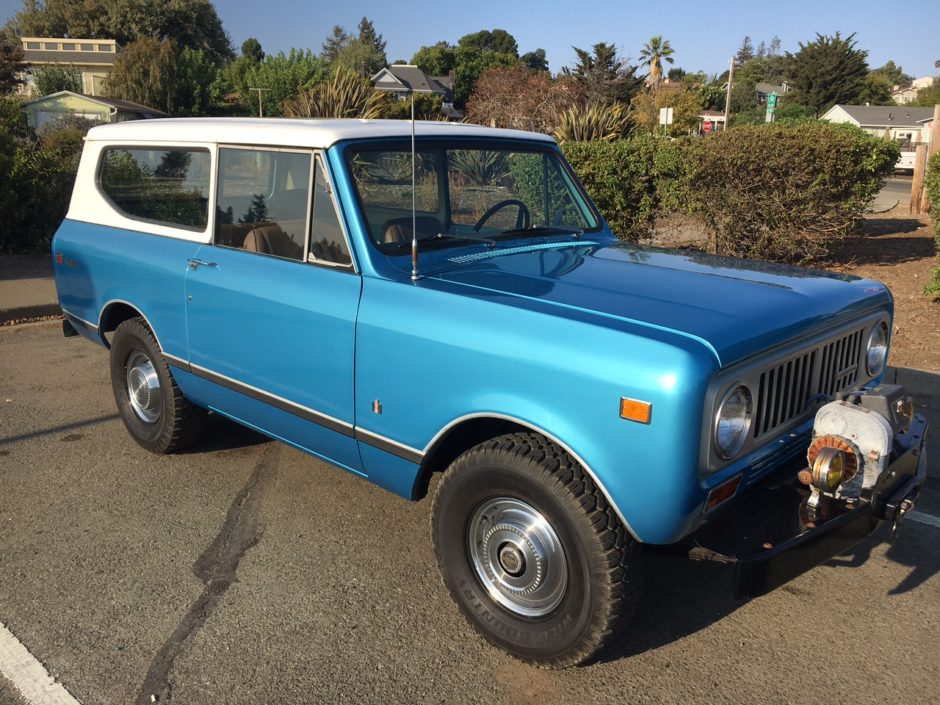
(447,236)
(544,230)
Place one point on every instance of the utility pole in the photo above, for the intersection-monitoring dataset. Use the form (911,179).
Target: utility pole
(260,104)
(728,94)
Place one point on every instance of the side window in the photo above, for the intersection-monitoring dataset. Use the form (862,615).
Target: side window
(262,201)
(327,243)
(166,186)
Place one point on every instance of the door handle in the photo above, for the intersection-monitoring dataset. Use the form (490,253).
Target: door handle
(196,263)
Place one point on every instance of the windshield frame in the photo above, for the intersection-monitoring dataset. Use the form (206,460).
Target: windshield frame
(398,144)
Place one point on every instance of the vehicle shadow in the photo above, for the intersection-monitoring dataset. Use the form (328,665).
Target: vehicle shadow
(223,434)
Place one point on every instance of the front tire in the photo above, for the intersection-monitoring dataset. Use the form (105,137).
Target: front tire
(153,408)
(532,552)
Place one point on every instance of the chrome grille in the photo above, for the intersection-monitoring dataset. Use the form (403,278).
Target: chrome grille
(784,389)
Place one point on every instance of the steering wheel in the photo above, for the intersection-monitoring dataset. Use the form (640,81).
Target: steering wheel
(523,220)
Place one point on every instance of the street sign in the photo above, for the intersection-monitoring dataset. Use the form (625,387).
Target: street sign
(707,126)
(772,101)
(665,116)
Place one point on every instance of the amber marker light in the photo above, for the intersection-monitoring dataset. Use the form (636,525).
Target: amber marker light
(723,492)
(635,410)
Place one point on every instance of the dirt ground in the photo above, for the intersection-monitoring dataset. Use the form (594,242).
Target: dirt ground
(899,250)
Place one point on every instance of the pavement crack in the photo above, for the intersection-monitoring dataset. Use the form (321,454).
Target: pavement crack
(216,568)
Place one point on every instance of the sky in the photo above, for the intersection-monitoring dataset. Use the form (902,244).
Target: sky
(704,35)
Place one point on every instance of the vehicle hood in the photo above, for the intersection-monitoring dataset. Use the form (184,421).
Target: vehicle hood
(734,306)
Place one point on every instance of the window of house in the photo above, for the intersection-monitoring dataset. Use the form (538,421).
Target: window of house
(68,46)
(262,201)
(105,47)
(165,186)
(88,47)
(52,46)
(34,45)
(327,242)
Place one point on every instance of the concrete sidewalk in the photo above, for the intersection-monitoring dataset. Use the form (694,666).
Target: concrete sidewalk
(27,287)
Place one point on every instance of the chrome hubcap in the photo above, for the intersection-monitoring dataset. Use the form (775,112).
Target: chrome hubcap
(143,388)
(518,556)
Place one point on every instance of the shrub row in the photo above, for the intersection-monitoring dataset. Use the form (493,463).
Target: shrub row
(932,182)
(779,192)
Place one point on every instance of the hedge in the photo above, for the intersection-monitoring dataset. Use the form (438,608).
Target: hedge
(932,182)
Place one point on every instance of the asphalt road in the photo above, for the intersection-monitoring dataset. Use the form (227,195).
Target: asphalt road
(247,572)
(896,191)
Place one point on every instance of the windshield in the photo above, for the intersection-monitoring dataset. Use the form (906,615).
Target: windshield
(466,195)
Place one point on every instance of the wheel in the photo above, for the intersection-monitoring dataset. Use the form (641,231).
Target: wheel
(523,218)
(532,552)
(153,409)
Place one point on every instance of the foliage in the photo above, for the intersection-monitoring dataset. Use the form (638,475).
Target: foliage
(428,106)
(13,121)
(480,167)
(595,122)
(746,52)
(785,192)
(365,54)
(436,60)
(280,76)
(932,183)
(930,96)
(65,136)
(893,74)
(52,79)
(827,71)
(145,73)
(535,60)
(876,90)
(337,39)
(515,97)
(685,102)
(190,23)
(477,52)
(604,76)
(11,63)
(653,54)
(251,50)
(195,75)
(346,95)
(622,177)
(767,69)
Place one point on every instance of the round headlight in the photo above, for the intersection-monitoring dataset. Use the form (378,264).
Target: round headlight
(733,421)
(877,349)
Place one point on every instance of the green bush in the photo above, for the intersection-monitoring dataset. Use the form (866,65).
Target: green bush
(785,192)
(628,179)
(932,182)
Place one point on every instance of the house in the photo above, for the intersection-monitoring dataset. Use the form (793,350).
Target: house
(405,78)
(765,89)
(97,108)
(904,124)
(711,121)
(908,94)
(92,58)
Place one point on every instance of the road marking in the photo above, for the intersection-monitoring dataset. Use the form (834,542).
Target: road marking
(924,518)
(28,675)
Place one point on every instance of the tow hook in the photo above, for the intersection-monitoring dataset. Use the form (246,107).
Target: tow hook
(903,508)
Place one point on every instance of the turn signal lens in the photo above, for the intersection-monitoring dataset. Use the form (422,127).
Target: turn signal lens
(724,491)
(635,410)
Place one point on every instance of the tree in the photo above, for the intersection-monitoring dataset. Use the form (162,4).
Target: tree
(345,95)
(251,50)
(653,54)
(436,60)
(827,71)
(477,52)
(535,60)
(280,76)
(515,97)
(686,104)
(604,76)
(774,49)
(332,45)
(876,90)
(145,72)
(893,74)
(746,52)
(928,97)
(190,23)
(368,35)
(52,79)
(11,64)
(195,75)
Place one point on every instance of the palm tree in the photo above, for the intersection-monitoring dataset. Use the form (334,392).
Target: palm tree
(654,53)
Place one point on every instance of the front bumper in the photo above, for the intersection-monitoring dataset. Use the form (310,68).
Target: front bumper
(771,535)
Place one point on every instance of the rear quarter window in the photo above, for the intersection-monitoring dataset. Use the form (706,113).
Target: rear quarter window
(159,185)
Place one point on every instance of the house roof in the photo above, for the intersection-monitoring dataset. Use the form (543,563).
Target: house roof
(768,88)
(126,106)
(78,58)
(887,115)
(300,133)
(405,77)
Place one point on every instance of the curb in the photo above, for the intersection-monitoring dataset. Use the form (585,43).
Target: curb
(7,316)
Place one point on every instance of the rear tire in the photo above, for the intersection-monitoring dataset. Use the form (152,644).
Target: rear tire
(532,552)
(153,409)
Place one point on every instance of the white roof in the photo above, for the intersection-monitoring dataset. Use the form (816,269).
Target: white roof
(289,132)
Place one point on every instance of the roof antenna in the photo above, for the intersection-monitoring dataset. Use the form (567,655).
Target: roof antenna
(404,81)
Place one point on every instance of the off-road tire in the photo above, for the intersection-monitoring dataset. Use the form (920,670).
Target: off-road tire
(180,423)
(603,560)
